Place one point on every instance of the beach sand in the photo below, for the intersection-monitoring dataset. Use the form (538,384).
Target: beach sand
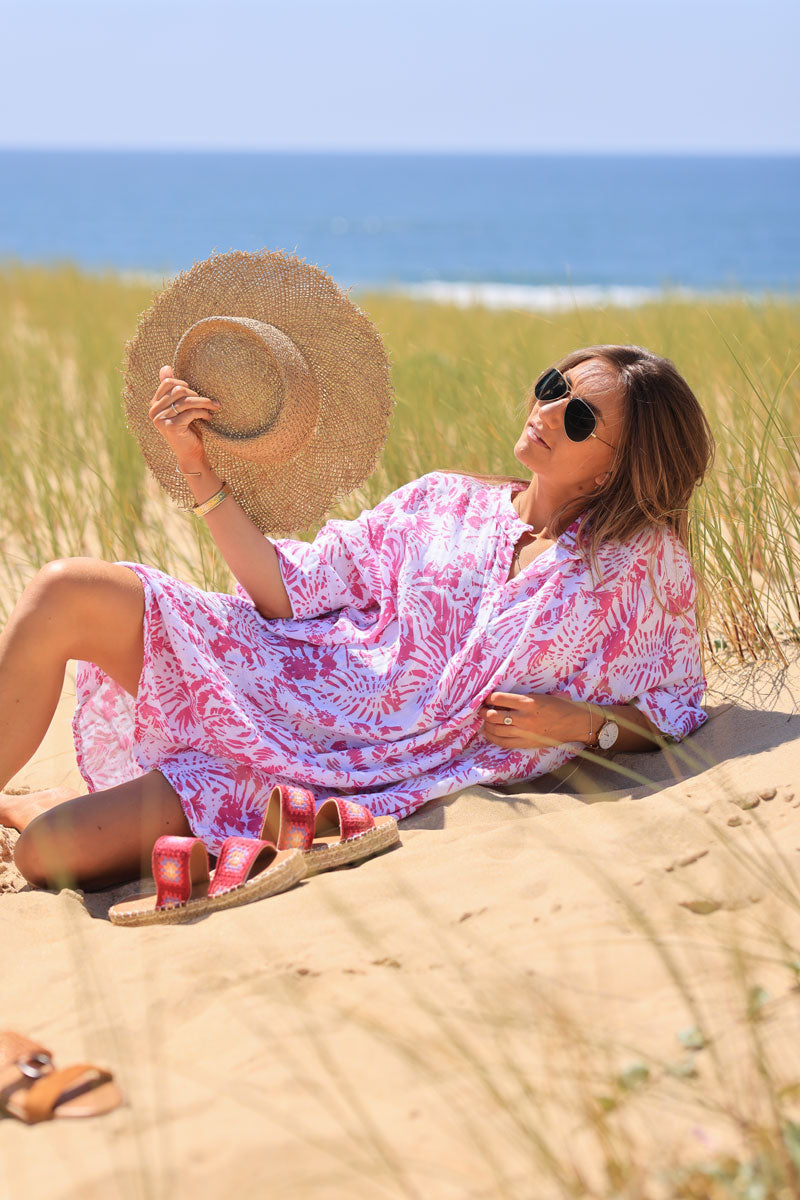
(432,1022)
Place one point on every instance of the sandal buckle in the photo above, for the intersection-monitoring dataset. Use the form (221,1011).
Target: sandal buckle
(36,1065)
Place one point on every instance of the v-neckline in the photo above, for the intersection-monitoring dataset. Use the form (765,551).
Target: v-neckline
(564,542)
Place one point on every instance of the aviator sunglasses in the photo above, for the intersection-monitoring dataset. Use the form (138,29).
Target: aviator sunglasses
(580,421)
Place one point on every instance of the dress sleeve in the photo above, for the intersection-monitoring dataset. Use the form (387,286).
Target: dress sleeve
(667,642)
(342,566)
(674,706)
(650,652)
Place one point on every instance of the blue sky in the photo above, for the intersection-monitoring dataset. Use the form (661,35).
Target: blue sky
(431,75)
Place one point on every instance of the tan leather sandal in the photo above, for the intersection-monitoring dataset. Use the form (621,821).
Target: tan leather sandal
(33,1090)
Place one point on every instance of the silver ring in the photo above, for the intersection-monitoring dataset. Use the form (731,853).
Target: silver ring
(174,409)
(507,721)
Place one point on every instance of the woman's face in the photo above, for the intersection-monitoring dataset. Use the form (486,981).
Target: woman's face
(544,448)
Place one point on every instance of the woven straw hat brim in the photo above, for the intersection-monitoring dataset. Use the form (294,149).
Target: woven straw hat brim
(345,355)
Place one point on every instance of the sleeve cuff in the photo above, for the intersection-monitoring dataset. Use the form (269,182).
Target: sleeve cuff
(674,716)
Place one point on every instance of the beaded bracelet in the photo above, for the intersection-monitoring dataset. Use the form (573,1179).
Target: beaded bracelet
(200,510)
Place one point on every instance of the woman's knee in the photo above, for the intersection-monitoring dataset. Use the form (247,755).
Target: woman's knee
(102,838)
(93,610)
(74,581)
(61,574)
(62,591)
(41,856)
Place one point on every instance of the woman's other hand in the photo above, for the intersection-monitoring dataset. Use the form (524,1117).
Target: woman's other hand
(175,423)
(536,721)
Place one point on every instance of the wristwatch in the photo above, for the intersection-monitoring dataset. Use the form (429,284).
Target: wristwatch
(605,737)
(607,734)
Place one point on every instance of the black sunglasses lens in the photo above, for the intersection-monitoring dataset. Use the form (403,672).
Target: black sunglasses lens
(579,420)
(551,386)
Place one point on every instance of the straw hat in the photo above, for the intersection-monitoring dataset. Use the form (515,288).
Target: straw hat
(300,371)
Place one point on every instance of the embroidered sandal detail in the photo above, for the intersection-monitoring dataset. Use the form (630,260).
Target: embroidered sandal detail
(290,817)
(176,862)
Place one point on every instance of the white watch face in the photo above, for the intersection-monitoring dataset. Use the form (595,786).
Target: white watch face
(608,735)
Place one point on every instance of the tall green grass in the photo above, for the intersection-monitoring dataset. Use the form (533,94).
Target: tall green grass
(74,481)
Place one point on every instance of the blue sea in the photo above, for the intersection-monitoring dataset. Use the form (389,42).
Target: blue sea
(539,230)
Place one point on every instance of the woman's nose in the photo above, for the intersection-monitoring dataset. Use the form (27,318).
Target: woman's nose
(551,415)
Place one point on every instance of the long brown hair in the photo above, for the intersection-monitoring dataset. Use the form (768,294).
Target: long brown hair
(664,450)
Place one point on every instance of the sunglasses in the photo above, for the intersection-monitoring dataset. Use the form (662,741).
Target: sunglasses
(580,421)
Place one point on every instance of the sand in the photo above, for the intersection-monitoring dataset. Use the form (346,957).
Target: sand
(510,987)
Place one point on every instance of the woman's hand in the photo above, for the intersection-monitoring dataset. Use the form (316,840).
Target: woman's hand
(175,423)
(536,721)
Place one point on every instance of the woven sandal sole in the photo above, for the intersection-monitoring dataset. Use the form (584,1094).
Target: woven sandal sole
(362,845)
(268,883)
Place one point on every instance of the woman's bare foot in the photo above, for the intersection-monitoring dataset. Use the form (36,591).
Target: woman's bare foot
(17,809)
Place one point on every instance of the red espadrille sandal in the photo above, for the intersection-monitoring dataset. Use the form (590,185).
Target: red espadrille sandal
(247,869)
(340,833)
(32,1089)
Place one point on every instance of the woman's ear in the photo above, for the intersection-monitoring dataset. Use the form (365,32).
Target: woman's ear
(602,480)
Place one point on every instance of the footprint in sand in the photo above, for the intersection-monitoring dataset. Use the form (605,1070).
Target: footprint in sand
(704,905)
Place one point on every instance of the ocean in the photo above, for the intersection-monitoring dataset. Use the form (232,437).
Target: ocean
(538,231)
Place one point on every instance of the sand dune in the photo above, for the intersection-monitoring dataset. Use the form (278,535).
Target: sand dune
(412,1026)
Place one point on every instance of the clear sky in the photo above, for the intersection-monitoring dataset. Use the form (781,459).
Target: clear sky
(484,75)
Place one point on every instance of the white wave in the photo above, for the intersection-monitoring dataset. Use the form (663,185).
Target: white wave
(529,297)
(549,297)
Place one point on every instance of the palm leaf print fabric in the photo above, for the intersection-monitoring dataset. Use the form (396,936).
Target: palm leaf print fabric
(403,623)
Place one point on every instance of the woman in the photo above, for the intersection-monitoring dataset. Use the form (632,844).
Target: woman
(465,630)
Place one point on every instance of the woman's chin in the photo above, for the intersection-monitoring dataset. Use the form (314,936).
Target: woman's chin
(525,453)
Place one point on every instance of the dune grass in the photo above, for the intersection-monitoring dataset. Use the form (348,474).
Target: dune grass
(74,481)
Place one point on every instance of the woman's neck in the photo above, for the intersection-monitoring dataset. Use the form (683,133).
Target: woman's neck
(537,505)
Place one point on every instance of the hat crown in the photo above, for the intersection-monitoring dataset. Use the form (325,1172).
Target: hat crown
(268,395)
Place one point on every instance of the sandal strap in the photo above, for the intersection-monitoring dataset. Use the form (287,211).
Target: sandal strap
(346,816)
(290,817)
(42,1098)
(236,858)
(178,862)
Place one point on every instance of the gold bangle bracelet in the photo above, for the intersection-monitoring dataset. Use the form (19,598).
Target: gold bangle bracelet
(589,744)
(213,502)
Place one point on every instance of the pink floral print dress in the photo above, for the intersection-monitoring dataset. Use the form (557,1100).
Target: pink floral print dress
(403,623)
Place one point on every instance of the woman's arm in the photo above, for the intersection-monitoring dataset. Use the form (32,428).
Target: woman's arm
(177,413)
(543,720)
(250,555)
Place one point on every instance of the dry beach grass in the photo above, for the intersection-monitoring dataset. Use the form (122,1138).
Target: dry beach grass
(584,986)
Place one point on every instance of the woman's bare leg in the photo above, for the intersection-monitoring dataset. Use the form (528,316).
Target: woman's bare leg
(74,608)
(101,839)
(78,608)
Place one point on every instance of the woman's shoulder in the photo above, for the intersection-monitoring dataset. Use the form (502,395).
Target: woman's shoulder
(656,561)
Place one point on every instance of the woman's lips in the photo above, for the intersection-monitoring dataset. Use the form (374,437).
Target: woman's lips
(536,437)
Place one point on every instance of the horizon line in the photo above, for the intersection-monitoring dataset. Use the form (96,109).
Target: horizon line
(761,152)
